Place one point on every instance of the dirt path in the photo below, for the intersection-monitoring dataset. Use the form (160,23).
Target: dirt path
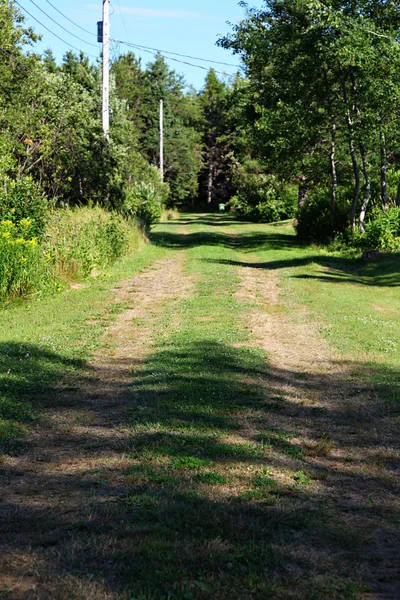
(77,455)
(260,465)
(338,420)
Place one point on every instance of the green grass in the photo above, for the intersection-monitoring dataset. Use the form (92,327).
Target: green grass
(234,485)
(49,339)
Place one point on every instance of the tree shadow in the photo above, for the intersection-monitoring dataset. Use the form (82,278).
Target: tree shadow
(386,273)
(243,242)
(187,502)
(208,220)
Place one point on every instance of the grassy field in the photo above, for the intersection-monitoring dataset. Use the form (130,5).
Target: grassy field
(245,444)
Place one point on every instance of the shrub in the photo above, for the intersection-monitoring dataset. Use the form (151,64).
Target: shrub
(82,239)
(261,197)
(146,199)
(314,221)
(382,231)
(21,199)
(24,268)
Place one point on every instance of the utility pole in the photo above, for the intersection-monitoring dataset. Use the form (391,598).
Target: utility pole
(106,74)
(162,140)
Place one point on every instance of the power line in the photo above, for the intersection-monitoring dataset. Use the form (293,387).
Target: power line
(52,32)
(70,20)
(41,76)
(123,20)
(182,62)
(214,62)
(64,28)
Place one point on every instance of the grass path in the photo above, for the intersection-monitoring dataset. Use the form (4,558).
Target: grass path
(203,425)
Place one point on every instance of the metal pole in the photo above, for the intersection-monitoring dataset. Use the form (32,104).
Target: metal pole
(106,74)
(162,140)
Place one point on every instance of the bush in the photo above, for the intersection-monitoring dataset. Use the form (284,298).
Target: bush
(261,197)
(382,231)
(82,239)
(145,200)
(24,268)
(21,199)
(314,221)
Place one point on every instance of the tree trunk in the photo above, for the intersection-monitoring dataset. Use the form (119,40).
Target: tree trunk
(398,196)
(334,176)
(367,189)
(384,187)
(356,170)
(303,192)
(210,183)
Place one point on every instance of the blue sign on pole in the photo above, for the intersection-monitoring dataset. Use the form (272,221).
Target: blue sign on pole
(100,31)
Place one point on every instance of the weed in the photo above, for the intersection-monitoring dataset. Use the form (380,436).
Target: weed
(301,478)
(190,463)
(211,478)
(263,479)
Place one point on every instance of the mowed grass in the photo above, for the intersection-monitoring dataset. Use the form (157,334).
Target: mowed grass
(241,480)
(234,505)
(44,341)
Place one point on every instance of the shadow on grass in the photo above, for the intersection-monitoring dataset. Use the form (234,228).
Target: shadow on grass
(248,241)
(26,371)
(337,270)
(384,273)
(187,503)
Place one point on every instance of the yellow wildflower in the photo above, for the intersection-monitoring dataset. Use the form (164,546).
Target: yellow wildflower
(25,223)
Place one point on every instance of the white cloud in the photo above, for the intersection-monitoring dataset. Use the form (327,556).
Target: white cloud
(153,13)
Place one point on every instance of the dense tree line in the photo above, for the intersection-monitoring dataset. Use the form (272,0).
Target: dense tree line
(322,87)
(311,126)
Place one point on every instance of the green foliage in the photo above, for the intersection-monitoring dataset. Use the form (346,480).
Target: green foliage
(145,199)
(314,222)
(261,197)
(382,231)
(24,269)
(141,89)
(321,101)
(21,199)
(80,240)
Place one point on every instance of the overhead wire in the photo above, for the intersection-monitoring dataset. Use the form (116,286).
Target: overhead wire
(157,53)
(149,49)
(62,27)
(52,32)
(70,20)
(123,20)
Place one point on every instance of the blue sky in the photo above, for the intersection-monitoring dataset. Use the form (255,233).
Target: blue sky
(181,26)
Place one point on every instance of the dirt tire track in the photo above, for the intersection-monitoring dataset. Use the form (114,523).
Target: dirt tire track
(311,375)
(81,440)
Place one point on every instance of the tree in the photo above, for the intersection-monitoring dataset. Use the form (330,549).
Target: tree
(215,176)
(324,82)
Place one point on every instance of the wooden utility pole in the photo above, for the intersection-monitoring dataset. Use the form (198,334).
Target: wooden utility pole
(162,140)
(106,73)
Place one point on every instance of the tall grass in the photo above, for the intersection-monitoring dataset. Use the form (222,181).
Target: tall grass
(81,240)
(24,268)
(75,242)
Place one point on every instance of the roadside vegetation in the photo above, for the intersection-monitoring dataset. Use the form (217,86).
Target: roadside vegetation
(197,406)
(212,442)
(318,144)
